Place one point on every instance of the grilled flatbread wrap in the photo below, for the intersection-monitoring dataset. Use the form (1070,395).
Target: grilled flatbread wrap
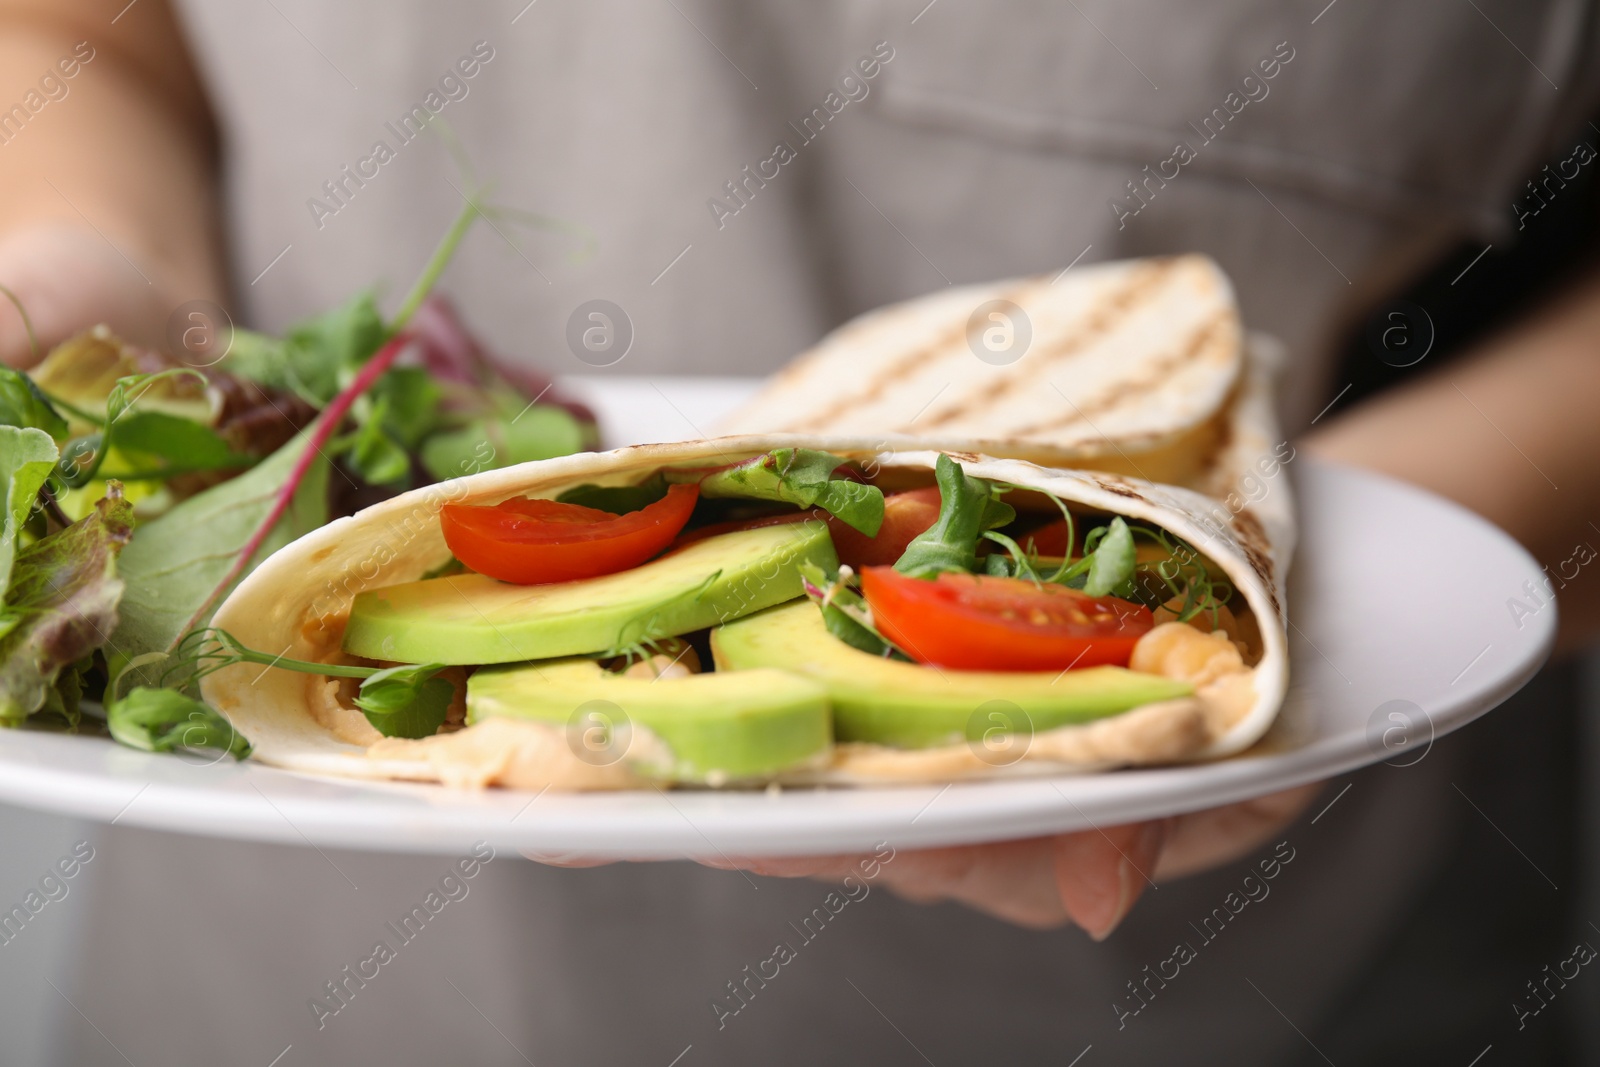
(297,602)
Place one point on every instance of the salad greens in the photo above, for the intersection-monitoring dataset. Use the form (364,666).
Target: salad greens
(27,456)
(408,700)
(968,508)
(309,359)
(22,405)
(804,477)
(1110,566)
(617,499)
(138,491)
(168,580)
(164,720)
(801,476)
(971,511)
(1182,575)
(845,613)
(60,605)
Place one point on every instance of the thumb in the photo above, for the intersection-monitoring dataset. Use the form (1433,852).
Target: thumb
(1101,873)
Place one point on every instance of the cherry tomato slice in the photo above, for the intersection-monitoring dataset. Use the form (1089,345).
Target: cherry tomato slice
(532,542)
(975,622)
(905,515)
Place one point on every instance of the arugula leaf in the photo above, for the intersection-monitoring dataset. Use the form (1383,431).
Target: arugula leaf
(315,352)
(319,349)
(844,612)
(27,456)
(410,404)
(1110,557)
(406,701)
(161,720)
(61,604)
(617,499)
(802,476)
(1108,564)
(967,508)
(23,405)
(178,559)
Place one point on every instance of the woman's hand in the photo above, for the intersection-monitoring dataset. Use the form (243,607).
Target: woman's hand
(1091,878)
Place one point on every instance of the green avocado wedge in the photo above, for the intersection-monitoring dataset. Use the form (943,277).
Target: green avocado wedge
(473,619)
(907,705)
(720,728)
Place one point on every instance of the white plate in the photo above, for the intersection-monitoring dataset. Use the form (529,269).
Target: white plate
(1400,632)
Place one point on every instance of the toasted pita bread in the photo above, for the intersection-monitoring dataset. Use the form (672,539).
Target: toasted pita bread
(1108,366)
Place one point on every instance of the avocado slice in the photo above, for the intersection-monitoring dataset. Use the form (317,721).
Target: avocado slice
(907,705)
(719,727)
(474,619)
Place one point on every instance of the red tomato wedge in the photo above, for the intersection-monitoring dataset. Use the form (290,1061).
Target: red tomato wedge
(977,623)
(905,515)
(532,542)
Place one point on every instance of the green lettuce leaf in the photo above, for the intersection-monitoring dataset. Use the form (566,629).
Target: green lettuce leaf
(149,444)
(180,557)
(64,701)
(27,456)
(23,405)
(802,476)
(157,445)
(161,720)
(61,604)
(967,508)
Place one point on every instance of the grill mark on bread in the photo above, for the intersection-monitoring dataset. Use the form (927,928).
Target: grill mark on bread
(1120,488)
(1133,389)
(893,372)
(1252,539)
(1148,280)
(1216,453)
